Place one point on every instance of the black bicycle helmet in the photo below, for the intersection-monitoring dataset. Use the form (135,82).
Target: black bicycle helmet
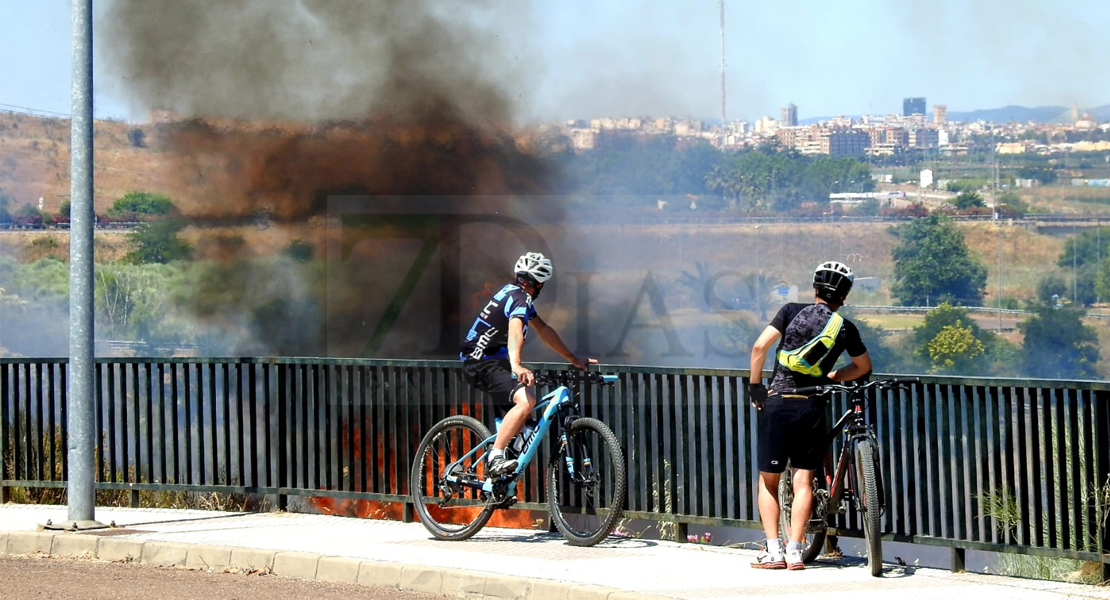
(833,280)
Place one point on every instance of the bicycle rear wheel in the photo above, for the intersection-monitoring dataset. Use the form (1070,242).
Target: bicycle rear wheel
(817,525)
(870,504)
(450,511)
(586,483)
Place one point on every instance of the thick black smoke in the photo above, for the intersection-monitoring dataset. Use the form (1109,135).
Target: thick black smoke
(277,106)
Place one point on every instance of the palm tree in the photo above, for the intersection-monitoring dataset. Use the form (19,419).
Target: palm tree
(761,287)
(698,282)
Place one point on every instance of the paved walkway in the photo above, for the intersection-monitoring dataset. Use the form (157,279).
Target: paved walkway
(497,563)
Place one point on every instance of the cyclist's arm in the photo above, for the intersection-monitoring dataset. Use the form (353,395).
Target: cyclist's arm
(515,347)
(860,367)
(762,345)
(553,341)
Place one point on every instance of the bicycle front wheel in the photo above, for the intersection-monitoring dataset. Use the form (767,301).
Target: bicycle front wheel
(450,511)
(586,483)
(817,525)
(870,503)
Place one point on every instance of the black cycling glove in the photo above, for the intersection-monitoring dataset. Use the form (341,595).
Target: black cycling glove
(758,394)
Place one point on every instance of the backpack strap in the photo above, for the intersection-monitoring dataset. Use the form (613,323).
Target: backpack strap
(807,358)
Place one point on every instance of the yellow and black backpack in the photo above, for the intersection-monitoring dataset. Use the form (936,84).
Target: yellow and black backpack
(807,358)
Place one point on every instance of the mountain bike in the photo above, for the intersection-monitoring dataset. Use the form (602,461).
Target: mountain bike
(455,497)
(857,480)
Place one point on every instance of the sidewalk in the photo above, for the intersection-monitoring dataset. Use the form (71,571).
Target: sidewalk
(497,563)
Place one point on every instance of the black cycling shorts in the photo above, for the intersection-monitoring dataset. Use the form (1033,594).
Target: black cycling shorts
(791,429)
(494,377)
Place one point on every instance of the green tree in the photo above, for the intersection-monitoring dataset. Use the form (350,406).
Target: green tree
(1051,288)
(766,179)
(968,200)
(1102,280)
(141,204)
(5,212)
(698,282)
(28,214)
(827,174)
(760,286)
(132,302)
(1086,248)
(1042,174)
(942,323)
(299,250)
(1082,255)
(33,316)
(1058,344)
(157,242)
(932,264)
(954,350)
(1009,204)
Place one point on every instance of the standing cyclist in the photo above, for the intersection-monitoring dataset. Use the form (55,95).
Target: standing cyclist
(491,352)
(792,427)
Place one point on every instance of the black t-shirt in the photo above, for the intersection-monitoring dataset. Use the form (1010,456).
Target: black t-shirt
(799,323)
(489,335)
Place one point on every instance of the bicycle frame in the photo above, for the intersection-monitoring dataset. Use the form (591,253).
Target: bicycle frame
(854,422)
(552,404)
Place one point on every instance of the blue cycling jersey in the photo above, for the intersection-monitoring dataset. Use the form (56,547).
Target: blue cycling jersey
(489,335)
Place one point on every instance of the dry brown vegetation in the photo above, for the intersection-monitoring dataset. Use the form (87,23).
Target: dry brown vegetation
(34,162)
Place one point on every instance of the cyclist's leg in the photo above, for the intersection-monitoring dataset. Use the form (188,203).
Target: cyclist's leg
(808,432)
(802,507)
(524,402)
(769,503)
(771,459)
(495,377)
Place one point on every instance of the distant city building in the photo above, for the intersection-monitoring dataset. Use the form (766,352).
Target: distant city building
(913,106)
(842,142)
(789,117)
(766,126)
(924,138)
(940,114)
(583,138)
(687,128)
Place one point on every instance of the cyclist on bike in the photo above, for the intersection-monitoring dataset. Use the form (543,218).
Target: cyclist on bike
(811,337)
(491,352)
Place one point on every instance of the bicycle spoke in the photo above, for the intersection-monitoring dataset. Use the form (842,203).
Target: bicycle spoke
(451,511)
(587,483)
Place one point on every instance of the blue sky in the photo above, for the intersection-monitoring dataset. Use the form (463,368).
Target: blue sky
(582,59)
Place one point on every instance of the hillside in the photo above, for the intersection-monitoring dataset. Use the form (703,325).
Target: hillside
(34,162)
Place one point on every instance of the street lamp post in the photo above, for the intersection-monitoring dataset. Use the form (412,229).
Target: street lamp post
(81,480)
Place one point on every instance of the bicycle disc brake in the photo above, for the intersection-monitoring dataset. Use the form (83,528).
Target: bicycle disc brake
(451,489)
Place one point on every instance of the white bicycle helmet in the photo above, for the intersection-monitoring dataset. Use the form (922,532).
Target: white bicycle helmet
(833,278)
(535,265)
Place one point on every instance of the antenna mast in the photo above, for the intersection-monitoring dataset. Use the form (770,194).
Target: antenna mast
(724,114)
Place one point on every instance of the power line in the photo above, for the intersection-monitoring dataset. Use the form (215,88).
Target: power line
(33,110)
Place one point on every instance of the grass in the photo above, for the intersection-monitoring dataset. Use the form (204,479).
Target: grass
(120,498)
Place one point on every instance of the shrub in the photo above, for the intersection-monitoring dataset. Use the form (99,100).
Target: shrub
(141,204)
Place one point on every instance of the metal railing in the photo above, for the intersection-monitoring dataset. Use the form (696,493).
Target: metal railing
(972,464)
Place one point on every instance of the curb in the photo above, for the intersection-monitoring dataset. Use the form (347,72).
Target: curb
(455,583)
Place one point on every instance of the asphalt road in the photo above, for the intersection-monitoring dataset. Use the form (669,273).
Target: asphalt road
(76,579)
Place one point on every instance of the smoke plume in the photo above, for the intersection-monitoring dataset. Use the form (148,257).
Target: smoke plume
(276,105)
(270,108)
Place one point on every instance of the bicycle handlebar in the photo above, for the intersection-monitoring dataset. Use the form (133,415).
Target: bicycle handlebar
(852,387)
(574,377)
